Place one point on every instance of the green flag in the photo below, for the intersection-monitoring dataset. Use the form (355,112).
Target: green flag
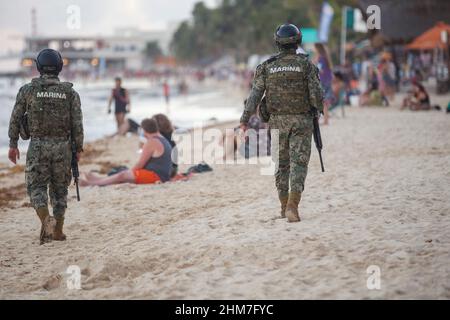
(350,17)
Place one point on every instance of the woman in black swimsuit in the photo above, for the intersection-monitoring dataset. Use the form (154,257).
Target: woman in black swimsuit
(122,102)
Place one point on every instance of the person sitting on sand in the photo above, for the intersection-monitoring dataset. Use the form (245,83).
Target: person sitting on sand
(245,148)
(154,165)
(338,91)
(418,98)
(166,129)
(372,96)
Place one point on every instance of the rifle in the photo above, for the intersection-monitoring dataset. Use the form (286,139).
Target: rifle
(75,171)
(317,136)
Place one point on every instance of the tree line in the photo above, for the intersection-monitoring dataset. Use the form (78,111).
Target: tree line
(244,27)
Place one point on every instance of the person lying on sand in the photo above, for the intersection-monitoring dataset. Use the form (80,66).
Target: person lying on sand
(128,126)
(154,165)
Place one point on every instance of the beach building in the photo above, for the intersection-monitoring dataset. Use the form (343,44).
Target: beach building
(11,53)
(98,55)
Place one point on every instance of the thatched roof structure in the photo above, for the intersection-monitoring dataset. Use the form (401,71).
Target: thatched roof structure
(431,38)
(403,20)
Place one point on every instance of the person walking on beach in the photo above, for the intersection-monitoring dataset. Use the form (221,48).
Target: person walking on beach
(293,91)
(121,99)
(166,91)
(54,121)
(323,62)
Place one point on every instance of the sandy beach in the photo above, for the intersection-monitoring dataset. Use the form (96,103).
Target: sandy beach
(384,201)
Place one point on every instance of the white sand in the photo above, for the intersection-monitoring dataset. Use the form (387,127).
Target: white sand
(384,200)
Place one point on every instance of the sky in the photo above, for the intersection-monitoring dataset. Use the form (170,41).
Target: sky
(96,16)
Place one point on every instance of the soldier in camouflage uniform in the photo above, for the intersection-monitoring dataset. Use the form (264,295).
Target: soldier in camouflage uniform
(291,85)
(53,116)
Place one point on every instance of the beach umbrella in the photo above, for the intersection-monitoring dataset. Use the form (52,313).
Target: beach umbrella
(431,39)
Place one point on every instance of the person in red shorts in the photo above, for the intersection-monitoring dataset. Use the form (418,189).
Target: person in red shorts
(154,165)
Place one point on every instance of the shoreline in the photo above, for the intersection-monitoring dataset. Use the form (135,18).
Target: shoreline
(206,101)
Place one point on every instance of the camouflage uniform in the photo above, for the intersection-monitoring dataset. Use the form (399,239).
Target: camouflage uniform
(291,85)
(54,112)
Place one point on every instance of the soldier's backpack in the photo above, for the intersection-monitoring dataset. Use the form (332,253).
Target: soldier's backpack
(24,131)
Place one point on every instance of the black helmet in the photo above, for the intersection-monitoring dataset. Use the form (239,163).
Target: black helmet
(288,34)
(49,61)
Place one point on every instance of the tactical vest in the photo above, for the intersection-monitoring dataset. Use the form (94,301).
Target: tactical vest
(49,109)
(287,85)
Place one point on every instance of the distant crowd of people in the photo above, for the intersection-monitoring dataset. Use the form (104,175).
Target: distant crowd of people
(373,81)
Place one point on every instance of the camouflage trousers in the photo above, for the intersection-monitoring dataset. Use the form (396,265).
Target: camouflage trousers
(49,169)
(291,151)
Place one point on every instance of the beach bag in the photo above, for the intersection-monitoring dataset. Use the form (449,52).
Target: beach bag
(200,168)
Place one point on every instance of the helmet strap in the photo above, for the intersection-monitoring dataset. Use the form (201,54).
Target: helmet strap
(287,47)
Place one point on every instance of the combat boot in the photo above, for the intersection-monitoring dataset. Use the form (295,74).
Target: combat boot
(42,213)
(292,207)
(283,201)
(46,233)
(58,234)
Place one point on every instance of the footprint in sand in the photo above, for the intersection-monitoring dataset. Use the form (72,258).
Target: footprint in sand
(86,272)
(53,282)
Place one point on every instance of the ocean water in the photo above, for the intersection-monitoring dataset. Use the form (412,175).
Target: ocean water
(199,107)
